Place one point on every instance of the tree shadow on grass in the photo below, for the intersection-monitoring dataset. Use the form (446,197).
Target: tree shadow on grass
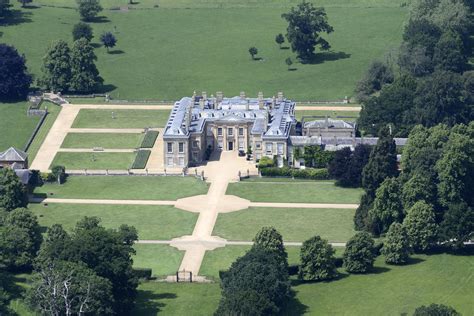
(322,57)
(285,47)
(148,302)
(96,45)
(294,306)
(292,69)
(15,17)
(116,52)
(106,88)
(100,19)
(379,270)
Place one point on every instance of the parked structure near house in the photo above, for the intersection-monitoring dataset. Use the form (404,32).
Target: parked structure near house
(265,125)
(18,161)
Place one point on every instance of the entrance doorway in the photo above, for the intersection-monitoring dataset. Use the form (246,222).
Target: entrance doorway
(230,146)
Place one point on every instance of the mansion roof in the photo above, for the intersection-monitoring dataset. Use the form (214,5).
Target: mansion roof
(271,118)
(13,154)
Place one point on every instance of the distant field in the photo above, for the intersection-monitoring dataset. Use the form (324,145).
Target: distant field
(347,115)
(165,53)
(94,161)
(294,224)
(126,187)
(15,126)
(151,222)
(105,140)
(88,118)
(294,191)
(162,259)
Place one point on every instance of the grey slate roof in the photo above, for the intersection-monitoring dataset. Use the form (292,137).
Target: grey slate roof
(13,154)
(24,175)
(236,109)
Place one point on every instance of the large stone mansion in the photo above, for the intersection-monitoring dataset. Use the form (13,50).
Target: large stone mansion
(267,126)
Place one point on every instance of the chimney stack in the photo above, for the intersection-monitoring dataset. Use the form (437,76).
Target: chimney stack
(219,96)
(242,94)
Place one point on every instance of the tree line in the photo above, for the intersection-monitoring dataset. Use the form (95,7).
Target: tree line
(430,80)
(86,271)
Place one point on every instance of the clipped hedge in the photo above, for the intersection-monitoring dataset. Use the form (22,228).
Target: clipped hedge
(309,173)
(149,139)
(141,159)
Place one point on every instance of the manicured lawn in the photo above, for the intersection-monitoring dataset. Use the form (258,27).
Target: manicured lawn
(343,115)
(100,118)
(165,53)
(335,225)
(162,259)
(126,187)
(161,298)
(105,140)
(53,111)
(15,126)
(394,290)
(151,222)
(95,160)
(294,191)
(391,290)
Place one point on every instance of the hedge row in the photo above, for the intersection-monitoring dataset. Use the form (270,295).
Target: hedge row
(149,139)
(141,159)
(309,173)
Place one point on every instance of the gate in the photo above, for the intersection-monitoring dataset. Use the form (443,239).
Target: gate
(184,276)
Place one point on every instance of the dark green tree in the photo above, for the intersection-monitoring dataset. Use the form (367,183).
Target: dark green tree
(387,207)
(305,25)
(24,2)
(339,166)
(14,77)
(270,239)
(253,51)
(20,238)
(84,74)
(288,62)
(12,191)
(70,288)
(378,75)
(449,53)
(360,158)
(279,39)
(396,246)
(317,260)
(56,67)
(457,226)
(419,187)
(382,163)
(88,9)
(421,226)
(435,310)
(359,255)
(4,7)
(108,40)
(256,284)
(361,216)
(82,30)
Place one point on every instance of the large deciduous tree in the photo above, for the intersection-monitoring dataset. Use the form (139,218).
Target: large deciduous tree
(14,77)
(421,226)
(84,74)
(270,239)
(317,260)
(396,246)
(12,191)
(457,226)
(70,288)
(88,9)
(435,310)
(305,25)
(57,67)
(359,255)
(82,30)
(387,207)
(20,238)
(256,284)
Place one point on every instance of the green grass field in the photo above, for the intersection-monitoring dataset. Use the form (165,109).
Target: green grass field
(88,118)
(348,115)
(335,225)
(162,259)
(15,126)
(94,160)
(391,290)
(294,191)
(125,187)
(165,53)
(105,140)
(152,222)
